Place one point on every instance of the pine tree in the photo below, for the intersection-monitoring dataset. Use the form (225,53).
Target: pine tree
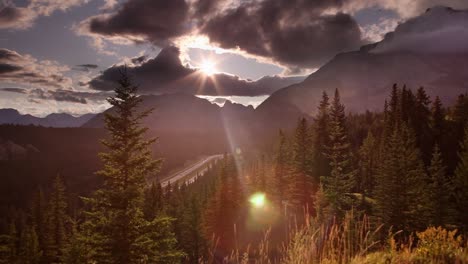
(115,222)
(368,158)
(39,215)
(321,163)
(9,245)
(29,251)
(153,202)
(420,122)
(282,170)
(56,221)
(437,121)
(460,184)
(439,191)
(192,238)
(342,178)
(301,189)
(401,182)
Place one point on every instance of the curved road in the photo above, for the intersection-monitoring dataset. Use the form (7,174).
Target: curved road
(187,171)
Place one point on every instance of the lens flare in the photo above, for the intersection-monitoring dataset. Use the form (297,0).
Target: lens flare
(257,200)
(208,67)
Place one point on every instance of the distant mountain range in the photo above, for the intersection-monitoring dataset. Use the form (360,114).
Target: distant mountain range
(12,116)
(430,50)
(233,124)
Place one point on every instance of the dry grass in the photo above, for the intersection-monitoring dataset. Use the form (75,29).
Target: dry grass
(356,241)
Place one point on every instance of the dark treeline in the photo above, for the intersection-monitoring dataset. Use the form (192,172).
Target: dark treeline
(405,168)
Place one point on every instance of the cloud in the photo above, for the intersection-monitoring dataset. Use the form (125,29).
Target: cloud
(166,74)
(14,17)
(377,31)
(14,90)
(156,21)
(25,69)
(42,80)
(438,30)
(295,33)
(139,60)
(85,67)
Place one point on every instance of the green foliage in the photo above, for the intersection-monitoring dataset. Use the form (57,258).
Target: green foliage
(439,190)
(321,164)
(115,220)
(29,251)
(401,183)
(342,178)
(56,238)
(460,183)
(439,245)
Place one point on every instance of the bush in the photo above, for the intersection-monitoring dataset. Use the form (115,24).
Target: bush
(440,246)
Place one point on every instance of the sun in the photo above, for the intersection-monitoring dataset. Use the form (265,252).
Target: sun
(208,67)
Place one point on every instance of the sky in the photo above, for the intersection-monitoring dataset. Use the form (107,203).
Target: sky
(64,56)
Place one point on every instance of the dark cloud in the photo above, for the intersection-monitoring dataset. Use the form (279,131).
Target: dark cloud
(166,74)
(7,68)
(155,20)
(14,17)
(14,90)
(25,69)
(6,54)
(139,60)
(295,33)
(62,95)
(9,15)
(58,95)
(85,67)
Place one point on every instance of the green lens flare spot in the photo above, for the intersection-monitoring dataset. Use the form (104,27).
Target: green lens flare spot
(257,200)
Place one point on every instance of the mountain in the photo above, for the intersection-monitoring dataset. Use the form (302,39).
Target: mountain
(230,126)
(365,77)
(12,116)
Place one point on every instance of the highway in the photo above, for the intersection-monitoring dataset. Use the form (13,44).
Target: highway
(190,169)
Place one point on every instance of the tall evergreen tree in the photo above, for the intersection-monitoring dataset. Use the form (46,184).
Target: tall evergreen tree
(437,120)
(29,251)
(368,158)
(153,202)
(342,178)
(460,184)
(119,232)
(420,122)
(282,169)
(439,190)
(321,125)
(301,189)
(56,221)
(39,215)
(401,182)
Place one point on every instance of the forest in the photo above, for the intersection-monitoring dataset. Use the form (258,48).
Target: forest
(373,187)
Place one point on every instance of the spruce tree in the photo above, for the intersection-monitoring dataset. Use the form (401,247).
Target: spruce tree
(439,190)
(437,121)
(153,202)
(321,125)
(301,188)
(420,122)
(368,158)
(342,179)
(39,215)
(460,184)
(29,251)
(401,183)
(282,170)
(115,224)
(56,221)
